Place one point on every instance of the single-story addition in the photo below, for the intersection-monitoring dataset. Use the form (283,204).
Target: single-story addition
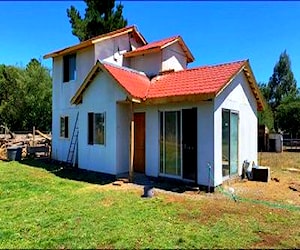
(121,104)
(197,124)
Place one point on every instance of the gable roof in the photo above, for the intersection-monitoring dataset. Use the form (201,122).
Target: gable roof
(133,82)
(206,82)
(97,39)
(159,45)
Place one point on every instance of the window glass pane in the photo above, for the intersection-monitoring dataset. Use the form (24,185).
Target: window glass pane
(225,142)
(161,142)
(99,128)
(234,118)
(62,127)
(172,143)
(69,68)
(72,67)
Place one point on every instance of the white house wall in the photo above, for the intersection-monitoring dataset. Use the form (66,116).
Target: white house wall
(149,63)
(173,57)
(205,136)
(237,97)
(123,137)
(100,97)
(112,50)
(205,143)
(62,92)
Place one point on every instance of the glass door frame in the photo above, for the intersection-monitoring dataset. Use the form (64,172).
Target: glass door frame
(229,140)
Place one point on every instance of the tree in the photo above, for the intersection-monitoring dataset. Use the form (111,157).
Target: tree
(101,17)
(266,116)
(282,83)
(288,115)
(25,96)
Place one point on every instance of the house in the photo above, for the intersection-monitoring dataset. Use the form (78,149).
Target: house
(127,104)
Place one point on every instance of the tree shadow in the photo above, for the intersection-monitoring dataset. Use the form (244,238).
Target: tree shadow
(71,173)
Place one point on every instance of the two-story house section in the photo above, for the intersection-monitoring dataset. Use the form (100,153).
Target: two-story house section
(141,108)
(70,67)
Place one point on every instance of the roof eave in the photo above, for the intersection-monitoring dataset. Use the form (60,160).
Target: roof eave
(94,40)
(180,98)
(141,52)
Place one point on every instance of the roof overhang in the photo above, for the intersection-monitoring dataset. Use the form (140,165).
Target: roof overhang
(180,98)
(97,39)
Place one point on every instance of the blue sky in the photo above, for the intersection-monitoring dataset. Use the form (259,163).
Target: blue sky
(215,32)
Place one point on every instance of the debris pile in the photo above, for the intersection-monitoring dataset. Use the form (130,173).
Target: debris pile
(32,144)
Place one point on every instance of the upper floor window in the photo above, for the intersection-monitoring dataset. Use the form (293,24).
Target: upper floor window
(69,67)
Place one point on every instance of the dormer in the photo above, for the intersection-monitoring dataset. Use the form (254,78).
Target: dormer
(170,54)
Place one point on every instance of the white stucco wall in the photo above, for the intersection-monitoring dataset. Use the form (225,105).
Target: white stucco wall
(237,97)
(148,63)
(112,50)
(62,92)
(100,97)
(205,143)
(173,57)
(123,137)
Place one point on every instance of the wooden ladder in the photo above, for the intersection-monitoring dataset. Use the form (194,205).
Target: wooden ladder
(73,143)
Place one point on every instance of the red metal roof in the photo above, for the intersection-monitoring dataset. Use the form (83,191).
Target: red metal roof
(196,81)
(134,82)
(206,81)
(159,45)
(156,44)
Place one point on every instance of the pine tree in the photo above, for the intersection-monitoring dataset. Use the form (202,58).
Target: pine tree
(282,83)
(101,17)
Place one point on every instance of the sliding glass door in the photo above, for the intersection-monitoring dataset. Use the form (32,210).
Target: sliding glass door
(178,143)
(230,127)
(170,145)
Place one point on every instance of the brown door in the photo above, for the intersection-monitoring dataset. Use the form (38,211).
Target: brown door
(139,143)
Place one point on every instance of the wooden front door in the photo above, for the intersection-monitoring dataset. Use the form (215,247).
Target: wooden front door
(139,143)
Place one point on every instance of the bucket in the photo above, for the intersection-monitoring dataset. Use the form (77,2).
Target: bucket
(14,153)
(148,191)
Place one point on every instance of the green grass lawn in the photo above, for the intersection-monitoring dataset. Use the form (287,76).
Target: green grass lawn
(40,209)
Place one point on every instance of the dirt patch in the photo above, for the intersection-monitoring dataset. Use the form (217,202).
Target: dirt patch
(267,241)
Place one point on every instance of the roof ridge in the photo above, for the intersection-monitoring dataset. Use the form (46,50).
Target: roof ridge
(155,41)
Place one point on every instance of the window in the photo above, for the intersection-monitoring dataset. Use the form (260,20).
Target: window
(96,128)
(69,70)
(230,127)
(64,126)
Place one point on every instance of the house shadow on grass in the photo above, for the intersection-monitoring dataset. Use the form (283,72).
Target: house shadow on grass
(71,173)
(164,183)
